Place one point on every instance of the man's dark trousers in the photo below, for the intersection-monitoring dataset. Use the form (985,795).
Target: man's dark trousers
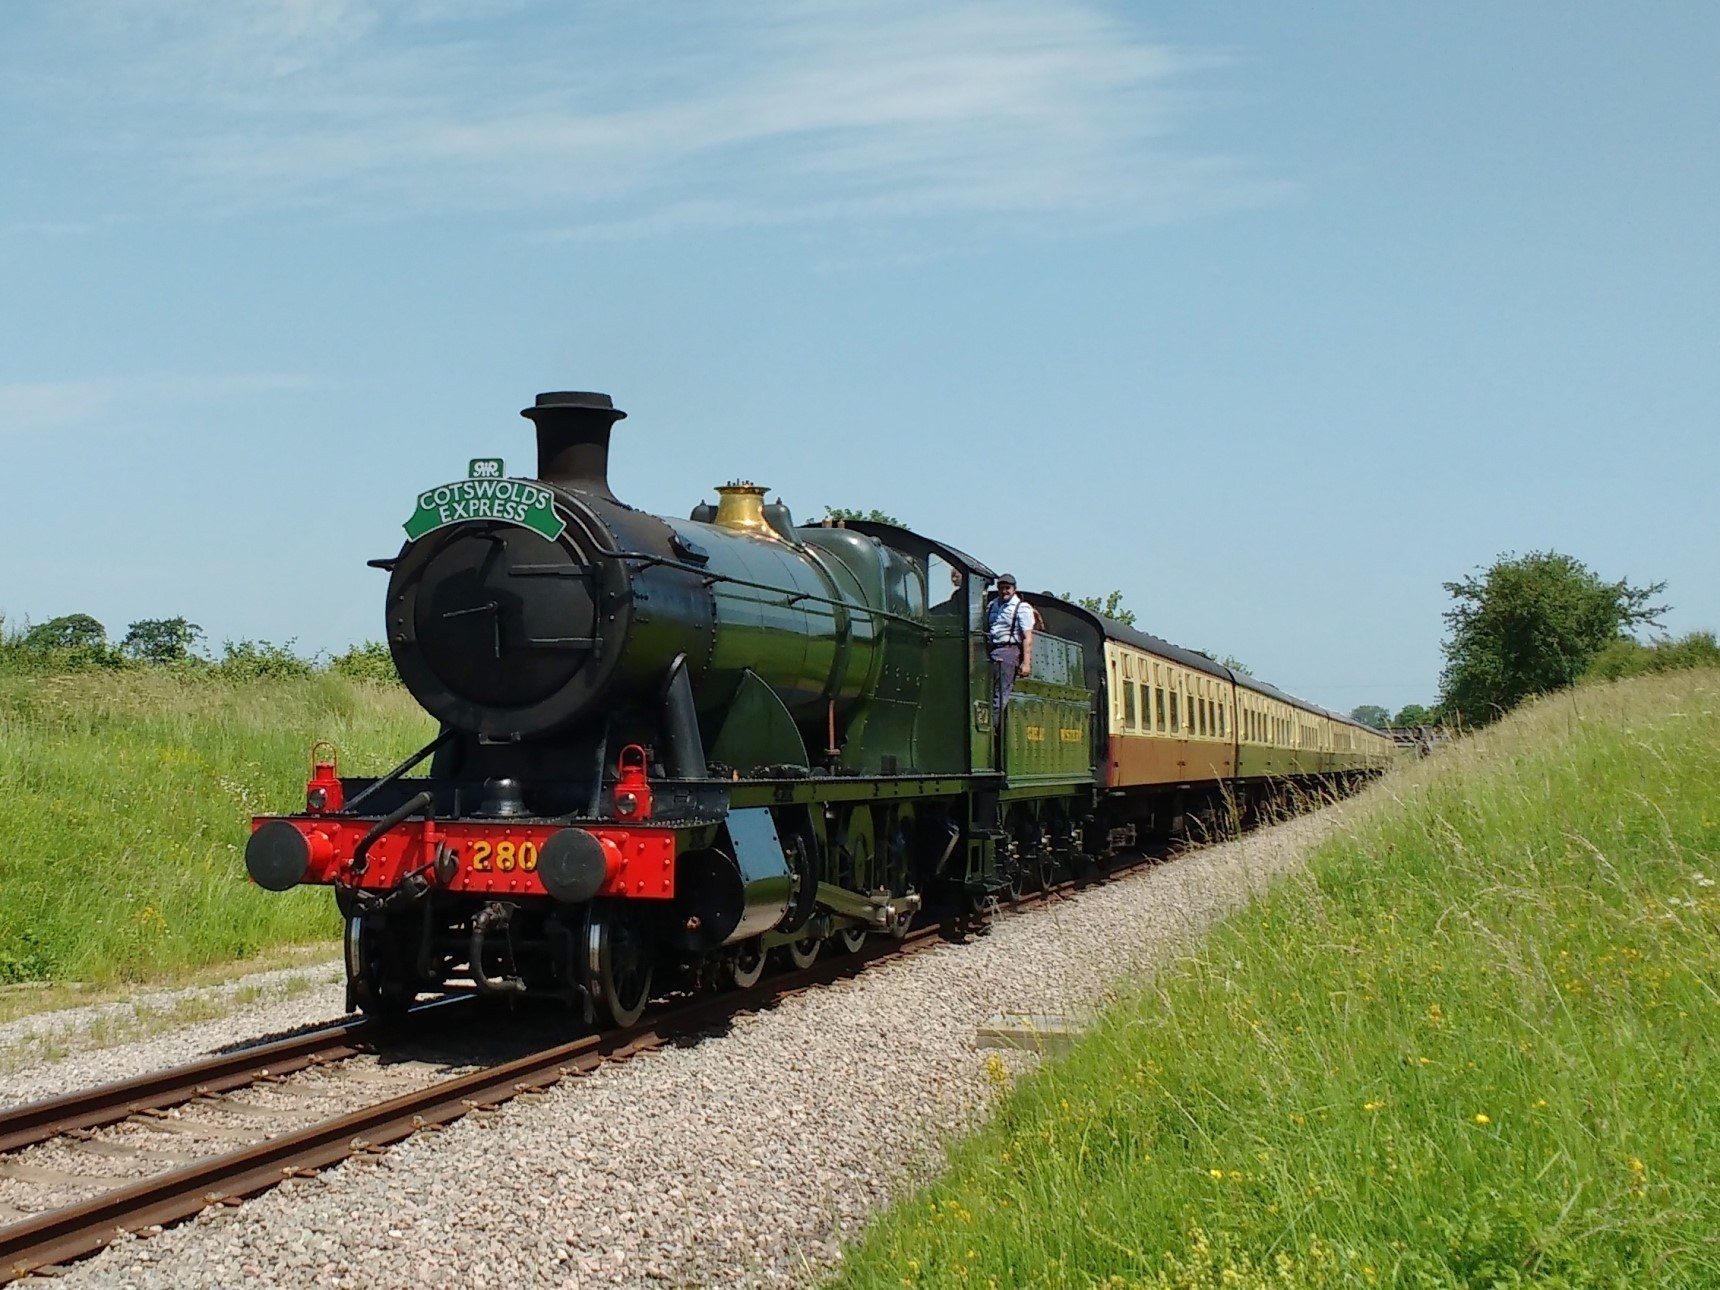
(1005,662)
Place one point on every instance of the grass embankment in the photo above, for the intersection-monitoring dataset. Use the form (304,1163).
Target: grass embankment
(1476,1043)
(125,811)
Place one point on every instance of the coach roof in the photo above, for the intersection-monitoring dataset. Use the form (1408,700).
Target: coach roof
(1116,631)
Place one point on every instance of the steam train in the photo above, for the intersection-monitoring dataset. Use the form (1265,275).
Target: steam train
(671,748)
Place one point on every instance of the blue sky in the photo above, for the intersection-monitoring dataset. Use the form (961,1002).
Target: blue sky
(1273,316)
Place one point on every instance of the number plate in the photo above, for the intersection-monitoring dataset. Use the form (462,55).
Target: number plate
(499,855)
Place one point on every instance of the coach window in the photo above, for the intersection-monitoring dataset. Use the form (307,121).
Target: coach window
(1128,705)
(1159,706)
(1116,697)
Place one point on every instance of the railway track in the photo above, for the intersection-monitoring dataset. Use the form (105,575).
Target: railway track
(43,1241)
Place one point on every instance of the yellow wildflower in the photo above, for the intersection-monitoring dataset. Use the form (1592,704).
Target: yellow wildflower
(1481,1117)
(1216,1173)
(1372,1106)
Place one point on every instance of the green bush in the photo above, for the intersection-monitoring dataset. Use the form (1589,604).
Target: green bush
(369,661)
(1626,657)
(261,661)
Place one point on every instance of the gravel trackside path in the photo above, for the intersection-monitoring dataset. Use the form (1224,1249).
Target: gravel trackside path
(745,1159)
(160,1028)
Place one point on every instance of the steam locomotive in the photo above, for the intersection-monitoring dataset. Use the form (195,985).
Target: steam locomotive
(670,749)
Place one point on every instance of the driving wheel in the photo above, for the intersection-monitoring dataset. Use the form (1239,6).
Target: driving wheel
(746,965)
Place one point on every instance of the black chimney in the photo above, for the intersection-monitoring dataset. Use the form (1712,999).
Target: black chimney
(573,438)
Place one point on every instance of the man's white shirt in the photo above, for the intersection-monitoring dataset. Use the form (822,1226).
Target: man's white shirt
(1008,622)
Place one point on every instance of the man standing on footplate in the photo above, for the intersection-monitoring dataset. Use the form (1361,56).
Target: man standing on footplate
(1009,624)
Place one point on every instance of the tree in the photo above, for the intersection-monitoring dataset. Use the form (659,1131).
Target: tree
(1413,714)
(1371,714)
(1530,625)
(67,632)
(161,640)
(1234,664)
(1111,606)
(874,515)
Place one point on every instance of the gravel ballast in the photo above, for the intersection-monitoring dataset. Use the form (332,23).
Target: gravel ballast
(745,1159)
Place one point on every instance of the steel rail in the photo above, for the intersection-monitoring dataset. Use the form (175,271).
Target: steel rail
(53,1117)
(83,1228)
(106,1104)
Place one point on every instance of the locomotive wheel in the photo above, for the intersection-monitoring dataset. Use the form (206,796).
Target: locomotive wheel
(801,850)
(1045,867)
(899,831)
(804,952)
(746,965)
(618,953)
(859,847)
(1022,873)
(850,939)
(374,983)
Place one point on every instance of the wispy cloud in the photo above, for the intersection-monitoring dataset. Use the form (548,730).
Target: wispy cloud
(32,407)
(613,119)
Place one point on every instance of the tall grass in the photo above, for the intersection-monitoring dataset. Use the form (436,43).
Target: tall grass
(1477,1042)
(124,809)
